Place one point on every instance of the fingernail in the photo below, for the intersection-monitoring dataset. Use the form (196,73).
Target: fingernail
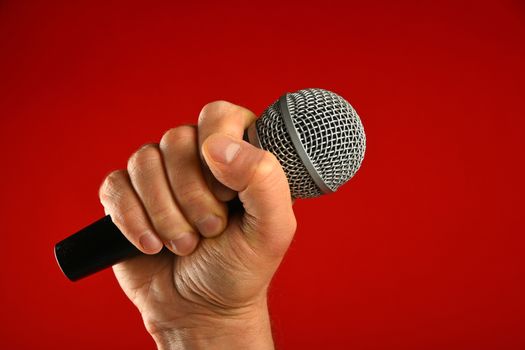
(210,225)
(150,242)
(222,149)
(182,245)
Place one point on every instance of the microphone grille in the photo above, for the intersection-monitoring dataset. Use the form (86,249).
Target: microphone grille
(317,137)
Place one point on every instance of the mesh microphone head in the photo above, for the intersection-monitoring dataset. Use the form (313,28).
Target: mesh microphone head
(317,137)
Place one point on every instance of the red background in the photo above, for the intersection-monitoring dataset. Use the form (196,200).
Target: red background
(422,250)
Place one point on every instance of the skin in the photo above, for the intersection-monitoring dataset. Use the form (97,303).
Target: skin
(207,288)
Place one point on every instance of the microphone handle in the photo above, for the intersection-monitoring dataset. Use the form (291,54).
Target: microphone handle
(94,248)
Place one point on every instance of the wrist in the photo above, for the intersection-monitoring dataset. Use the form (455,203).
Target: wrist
(249,329)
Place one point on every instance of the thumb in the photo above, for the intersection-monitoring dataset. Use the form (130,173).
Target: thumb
(262,186)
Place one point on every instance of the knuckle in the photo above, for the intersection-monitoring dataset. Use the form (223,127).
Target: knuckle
(112,185)
(122,216)
(118,219)
(215,108)
(162,218)
(268,165)
(272,160)
(270,173)
(191,195)
(143,160)
(177,136)
(168,224)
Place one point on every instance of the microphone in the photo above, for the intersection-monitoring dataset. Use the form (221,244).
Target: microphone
(315,134)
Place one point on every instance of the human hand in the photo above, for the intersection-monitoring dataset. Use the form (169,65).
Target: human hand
(209,289)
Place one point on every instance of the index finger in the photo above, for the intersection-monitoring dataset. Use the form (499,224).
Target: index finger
(225,118)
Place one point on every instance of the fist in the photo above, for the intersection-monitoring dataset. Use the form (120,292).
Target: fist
(220,258)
